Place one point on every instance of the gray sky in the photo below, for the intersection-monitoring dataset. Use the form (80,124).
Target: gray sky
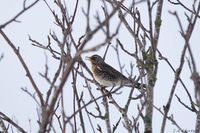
(38,21)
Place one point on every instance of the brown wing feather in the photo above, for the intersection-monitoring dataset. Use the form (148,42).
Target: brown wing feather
(111,70)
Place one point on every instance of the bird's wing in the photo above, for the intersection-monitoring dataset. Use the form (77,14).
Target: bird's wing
(110,70)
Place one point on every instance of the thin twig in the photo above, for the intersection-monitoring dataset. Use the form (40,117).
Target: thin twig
(20,13)
(185,104)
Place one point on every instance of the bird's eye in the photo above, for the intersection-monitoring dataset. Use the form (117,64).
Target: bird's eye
(93,58)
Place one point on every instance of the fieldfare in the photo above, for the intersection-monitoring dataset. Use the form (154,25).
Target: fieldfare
(106,75)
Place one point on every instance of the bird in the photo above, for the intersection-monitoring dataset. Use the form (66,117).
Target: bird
(106,75)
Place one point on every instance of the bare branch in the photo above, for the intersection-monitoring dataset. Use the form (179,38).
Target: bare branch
(25,67)
(191,109)
(6,118)
(180,3)
(2,125)
(14,19)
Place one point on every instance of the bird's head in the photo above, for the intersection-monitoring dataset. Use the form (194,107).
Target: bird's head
(95,59)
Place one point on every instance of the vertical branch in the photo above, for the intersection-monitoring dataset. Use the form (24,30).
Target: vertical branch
(158,22)
(107,114)
(151,29)
(52,84)
(78,100)
(63,112)
(74,109)
(150,80)
(152,65)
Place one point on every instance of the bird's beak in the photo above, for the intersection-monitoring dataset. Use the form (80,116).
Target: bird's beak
(88,58)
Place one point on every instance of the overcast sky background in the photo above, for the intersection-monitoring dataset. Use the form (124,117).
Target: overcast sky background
(37,23)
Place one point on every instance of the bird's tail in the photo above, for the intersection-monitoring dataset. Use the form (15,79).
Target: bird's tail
(136,85)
